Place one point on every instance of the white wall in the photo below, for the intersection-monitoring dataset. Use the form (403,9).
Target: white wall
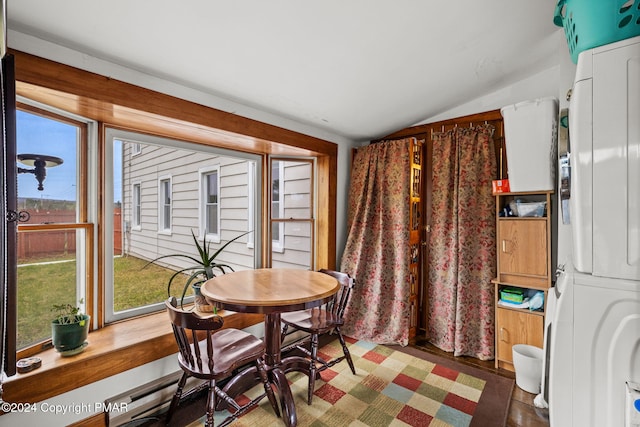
(544,83)
(342,199)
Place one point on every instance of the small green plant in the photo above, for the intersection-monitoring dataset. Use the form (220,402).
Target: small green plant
(203,267)
(66,314)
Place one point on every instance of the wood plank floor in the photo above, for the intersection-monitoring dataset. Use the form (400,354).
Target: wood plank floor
(522,412)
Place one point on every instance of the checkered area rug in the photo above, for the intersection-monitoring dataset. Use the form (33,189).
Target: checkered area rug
(390,388)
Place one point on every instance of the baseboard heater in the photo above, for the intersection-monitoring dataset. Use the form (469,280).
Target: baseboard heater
(146,401)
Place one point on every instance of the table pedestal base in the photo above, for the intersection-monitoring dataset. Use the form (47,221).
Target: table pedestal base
(250,377)
(276,369)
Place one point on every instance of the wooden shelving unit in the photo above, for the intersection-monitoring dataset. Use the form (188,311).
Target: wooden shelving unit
(524,261)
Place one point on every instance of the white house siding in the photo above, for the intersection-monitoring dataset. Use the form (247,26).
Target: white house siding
(183,167)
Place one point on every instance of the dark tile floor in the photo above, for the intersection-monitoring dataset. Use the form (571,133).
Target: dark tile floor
(522,412)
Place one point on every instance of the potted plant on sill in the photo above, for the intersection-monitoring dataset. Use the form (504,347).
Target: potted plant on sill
(69,329)
(202,270)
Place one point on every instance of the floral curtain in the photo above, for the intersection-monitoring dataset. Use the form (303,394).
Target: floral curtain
(462,258)
(377,249)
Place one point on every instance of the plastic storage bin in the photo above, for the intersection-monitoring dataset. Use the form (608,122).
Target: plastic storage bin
(530,130)
(531,208)
(592,23)
(527,361)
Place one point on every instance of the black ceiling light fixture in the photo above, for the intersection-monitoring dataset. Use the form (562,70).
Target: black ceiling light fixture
(40,162)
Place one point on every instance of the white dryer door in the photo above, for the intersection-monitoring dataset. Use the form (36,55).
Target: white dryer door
(606,348)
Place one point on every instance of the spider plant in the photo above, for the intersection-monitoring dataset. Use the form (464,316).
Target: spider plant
(203,267)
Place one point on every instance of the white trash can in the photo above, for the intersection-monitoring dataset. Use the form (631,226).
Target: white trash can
(527,361)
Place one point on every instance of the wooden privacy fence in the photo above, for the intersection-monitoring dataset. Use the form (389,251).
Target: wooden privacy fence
(58,243)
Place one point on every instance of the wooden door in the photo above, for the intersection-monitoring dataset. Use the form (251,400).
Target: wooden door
(516,327)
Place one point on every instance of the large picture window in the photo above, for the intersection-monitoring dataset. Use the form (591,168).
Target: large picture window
(180,190)
(180,187)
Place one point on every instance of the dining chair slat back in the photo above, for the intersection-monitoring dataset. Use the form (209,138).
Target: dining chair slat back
(340,300)
(320,321)
(209,352)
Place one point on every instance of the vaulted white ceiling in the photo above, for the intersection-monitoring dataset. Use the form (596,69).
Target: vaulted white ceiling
(357,68)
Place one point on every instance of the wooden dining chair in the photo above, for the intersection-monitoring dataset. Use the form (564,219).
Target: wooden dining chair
(318,321)
(216,354)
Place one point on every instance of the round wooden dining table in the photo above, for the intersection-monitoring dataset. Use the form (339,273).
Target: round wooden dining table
(271,291)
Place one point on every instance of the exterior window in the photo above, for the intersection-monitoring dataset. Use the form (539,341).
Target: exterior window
(164,214)
(251,203)
(211,203)
(276,206)
(135,202)
(292,212)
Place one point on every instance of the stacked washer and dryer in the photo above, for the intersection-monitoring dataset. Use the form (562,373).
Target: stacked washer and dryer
(593,345)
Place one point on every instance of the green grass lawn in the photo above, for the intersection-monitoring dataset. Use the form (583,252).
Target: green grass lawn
(43,284)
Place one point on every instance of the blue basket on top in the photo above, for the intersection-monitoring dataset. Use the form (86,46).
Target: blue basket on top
(592,23)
